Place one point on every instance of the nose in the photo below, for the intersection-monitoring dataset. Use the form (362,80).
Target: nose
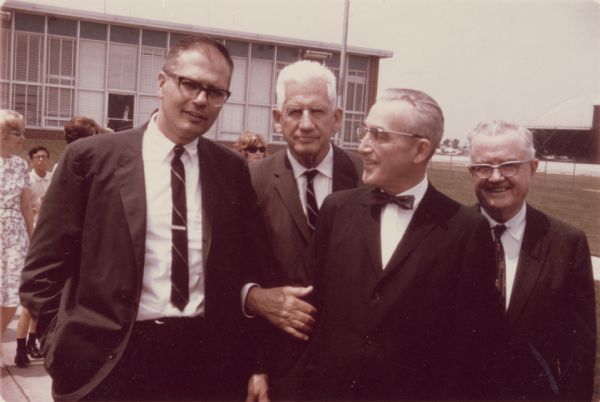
(306,122)
(496,175)
(365,145)
(201,98)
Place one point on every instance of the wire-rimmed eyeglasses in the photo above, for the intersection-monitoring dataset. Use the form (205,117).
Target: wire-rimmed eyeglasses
(506,169)
(191,89)
(377,134)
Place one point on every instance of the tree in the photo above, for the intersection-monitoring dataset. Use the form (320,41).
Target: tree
(455,143)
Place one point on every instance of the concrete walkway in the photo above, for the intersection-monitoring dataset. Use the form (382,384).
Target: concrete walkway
(30,384)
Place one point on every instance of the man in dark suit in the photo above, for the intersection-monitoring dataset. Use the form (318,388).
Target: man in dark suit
(308,117)
(404,275)
(145,240)
(544,277)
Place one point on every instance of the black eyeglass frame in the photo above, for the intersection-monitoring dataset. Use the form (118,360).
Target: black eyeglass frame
(362,131)
(475,168)
(17,133)
(210,91)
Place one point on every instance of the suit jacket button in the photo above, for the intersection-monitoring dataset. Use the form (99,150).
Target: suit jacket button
(368,340)
(377,297)
(111,355)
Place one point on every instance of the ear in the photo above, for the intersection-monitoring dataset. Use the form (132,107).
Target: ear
(534,165)
(277,120)
(162,79)
(337,116)
(423,152)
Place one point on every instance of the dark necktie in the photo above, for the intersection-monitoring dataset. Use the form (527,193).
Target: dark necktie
(500,262)
(180,292)
(380,197)
(312,209)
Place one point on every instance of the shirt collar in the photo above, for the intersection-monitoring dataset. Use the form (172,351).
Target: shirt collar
(515,226)
(325,167)
(35,176)
(417,191)
(159,147)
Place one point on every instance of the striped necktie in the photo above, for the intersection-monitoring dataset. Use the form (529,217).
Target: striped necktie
(180,292)
(312,209)
(500,262)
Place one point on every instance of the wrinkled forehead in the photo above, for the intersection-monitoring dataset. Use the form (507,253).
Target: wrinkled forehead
(498,147)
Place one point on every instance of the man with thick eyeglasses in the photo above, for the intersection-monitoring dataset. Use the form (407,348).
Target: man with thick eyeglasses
(404,275)
(544,275)
(143,246)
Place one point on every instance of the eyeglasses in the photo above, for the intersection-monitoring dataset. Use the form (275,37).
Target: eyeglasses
(17,133)
(506,169)
(252,149)
(191,89)
(377,134)
(40,157)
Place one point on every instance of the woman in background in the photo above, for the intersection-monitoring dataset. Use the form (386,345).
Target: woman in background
(16,219)
(252,145)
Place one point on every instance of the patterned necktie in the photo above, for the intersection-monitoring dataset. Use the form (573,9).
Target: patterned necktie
(380,197)
(312,209)
(500,262)
(180,292)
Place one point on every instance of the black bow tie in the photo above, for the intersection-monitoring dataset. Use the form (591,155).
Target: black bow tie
(380,197)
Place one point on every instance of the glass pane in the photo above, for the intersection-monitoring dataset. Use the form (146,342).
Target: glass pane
(258,119)
(92,61)
(124,34)
(287,54)
(238,80)
(4,53)
(27,57)
(148,104)
(263,52)
(59,26)
(154,38)
(358,63)
(176,37)
(120,111)
(152,62)
(232,118)
(236,48)
(260,82)
(91,104)
(26,100)
(29,22)
(122,67)
(91,30)
(4,100)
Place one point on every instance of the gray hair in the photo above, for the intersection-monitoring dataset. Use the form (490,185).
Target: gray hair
(494,128)
(427,118)
(304,70)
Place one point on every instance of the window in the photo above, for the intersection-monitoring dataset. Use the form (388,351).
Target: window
(91,104)
(152,62)
(28,57)
(27,101)
(122,66)
(59,106)
(4,54)
(120,111)
(92,63)
(60,61)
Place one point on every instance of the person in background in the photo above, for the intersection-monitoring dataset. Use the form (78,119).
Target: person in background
(291,184)
(544,275)
(16,220)
(80,127)
(39,180)
(251,145)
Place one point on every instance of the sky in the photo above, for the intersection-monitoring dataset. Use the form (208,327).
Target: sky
(535,62)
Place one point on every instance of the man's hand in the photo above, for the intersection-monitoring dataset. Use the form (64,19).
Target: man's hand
(258,388)
(284,308)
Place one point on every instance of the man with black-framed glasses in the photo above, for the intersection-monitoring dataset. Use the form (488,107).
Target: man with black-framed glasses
(404,275)
(544,275)
(146,238)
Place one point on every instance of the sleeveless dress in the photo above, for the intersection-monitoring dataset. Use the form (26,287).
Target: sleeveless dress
(14,241)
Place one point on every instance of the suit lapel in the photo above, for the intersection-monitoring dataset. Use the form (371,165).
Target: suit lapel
(344,172)
(420,225)
(531,258)
(208,184)
(129,175)
(371,226)
(286,187)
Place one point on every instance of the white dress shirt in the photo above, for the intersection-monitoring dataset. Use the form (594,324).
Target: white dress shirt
(511,239)
(155,301)
(395,220)
(38,186)
(323,181)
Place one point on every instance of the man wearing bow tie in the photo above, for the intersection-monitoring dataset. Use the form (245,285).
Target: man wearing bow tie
(405,275)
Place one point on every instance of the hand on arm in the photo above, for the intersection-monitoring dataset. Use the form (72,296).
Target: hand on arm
(284,308)
(258,388)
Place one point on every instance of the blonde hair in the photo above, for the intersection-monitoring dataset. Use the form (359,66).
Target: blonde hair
(10,119)
(249,138)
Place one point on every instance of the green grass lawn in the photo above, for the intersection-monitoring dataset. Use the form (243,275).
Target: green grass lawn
(572,199)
